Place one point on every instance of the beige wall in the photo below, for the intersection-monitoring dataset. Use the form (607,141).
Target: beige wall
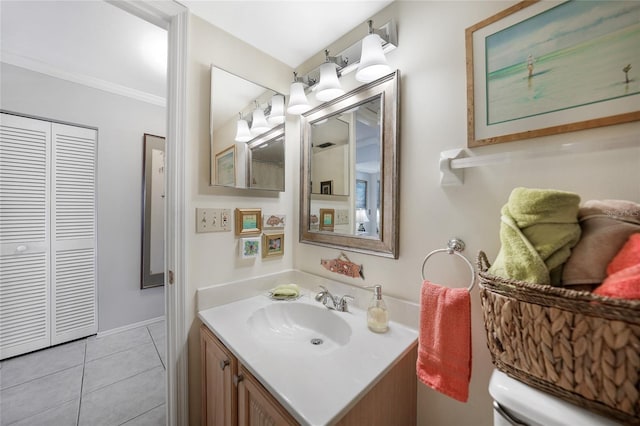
(212,258)
(431,58)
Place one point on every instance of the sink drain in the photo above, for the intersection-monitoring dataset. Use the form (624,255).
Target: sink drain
(316,341)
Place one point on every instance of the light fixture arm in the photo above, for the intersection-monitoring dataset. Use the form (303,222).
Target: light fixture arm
(347,60)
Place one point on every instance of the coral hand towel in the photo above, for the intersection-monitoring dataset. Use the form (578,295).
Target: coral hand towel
(444,342)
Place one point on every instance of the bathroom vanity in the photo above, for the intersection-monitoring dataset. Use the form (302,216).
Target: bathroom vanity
(297,362)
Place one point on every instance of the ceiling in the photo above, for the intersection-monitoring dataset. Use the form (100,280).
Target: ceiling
(100,42)
(288,30)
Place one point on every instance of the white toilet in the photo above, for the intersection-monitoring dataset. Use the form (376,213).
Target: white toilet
(517,404)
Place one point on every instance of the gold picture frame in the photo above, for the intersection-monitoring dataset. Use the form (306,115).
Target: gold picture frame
(248,221)
(273,245)
(524,83)
(327,219)
(225,170)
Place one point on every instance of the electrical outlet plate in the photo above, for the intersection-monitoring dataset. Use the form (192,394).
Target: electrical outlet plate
(213,220)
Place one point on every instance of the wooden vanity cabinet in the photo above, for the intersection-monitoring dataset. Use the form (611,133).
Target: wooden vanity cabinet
(256,406)
(219,367)
(232,396)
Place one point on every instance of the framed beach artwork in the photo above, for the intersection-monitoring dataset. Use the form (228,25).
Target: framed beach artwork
(248,221)
(226,167)
(327,219)
(543,68)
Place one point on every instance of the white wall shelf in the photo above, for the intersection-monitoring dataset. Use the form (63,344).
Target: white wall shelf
(453,162)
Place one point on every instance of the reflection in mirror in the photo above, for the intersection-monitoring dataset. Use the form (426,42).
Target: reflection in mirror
(238,107)
(153,212)
(266,159)
(350,166)
(330,155)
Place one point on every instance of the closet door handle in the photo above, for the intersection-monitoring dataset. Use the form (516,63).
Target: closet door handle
(237,379)
(21,248)
(223,364)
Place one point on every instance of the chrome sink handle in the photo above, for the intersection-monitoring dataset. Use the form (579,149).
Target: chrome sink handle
(324,295)
(342,303)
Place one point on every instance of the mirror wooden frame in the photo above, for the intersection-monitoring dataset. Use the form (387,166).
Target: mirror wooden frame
(386,245)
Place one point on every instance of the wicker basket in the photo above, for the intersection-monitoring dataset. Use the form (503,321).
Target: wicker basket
(575,345)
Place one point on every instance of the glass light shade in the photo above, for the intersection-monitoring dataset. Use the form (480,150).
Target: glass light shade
(243,134)
(259,123)
(276,116)
(361,216)
(329,86)
(298,103)
(373,63)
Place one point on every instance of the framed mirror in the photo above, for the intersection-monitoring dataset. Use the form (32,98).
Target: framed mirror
(152,271)
(237,147)
(350,162)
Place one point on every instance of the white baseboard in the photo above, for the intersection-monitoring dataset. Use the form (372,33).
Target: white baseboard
(129,327)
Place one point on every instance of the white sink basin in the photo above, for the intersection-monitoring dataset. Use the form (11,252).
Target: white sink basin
(292,323)
(316,383)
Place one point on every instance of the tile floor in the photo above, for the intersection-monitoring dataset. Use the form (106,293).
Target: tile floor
(118,379)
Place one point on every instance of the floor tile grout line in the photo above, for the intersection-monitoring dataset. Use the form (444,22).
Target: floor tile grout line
(121,380)
(155,345)
(84,366)
(141,414)
(61,403)
(120,351)
(41,377)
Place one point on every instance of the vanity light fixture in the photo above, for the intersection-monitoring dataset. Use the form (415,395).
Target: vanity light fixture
(329,86)
(298,103)
(242,133)
(361,219)
(373,63)
(276,115)
(259,123)
(370,54)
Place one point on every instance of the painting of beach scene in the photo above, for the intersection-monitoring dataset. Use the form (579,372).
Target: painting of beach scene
(577,53)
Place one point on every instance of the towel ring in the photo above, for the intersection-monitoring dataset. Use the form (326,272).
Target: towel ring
(455,246)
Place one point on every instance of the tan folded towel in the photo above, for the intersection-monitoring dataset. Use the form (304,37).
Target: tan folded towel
(606,226)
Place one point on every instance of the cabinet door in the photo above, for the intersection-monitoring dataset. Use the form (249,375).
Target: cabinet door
(219,366)
(73,244)
(24,234)
(256,407)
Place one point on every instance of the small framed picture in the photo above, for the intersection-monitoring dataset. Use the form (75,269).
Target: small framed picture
(326,187)
(248,221)
(272,245)
(273,221)
(327,219)
(226,167)
(249,247)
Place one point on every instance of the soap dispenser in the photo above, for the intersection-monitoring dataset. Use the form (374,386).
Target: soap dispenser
(377,315)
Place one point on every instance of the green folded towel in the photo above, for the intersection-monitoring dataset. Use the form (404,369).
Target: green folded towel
(537,231)
(286,291)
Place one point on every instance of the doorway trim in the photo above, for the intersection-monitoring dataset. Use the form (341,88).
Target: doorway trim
(173,17)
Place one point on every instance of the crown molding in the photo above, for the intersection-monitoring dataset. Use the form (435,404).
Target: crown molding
(85,80)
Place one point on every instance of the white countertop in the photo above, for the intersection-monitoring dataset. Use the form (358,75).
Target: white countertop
(316,384)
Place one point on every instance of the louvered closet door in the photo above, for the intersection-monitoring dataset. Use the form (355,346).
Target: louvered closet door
(74,308)
(24,235)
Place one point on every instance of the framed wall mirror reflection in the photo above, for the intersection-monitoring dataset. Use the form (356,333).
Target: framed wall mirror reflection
(352,142)
(250,118)
(153,205)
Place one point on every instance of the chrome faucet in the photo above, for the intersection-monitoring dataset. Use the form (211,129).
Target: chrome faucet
(333,302)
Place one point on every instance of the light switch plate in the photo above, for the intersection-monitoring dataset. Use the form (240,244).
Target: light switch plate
(213,220)
(206,220)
